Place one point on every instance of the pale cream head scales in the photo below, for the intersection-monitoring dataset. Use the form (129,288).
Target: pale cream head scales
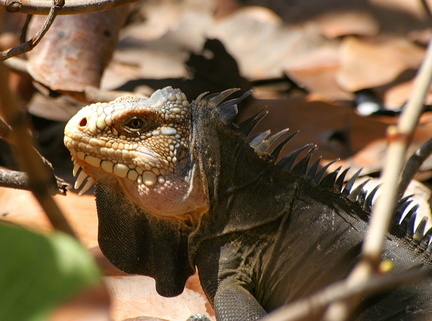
(144,145)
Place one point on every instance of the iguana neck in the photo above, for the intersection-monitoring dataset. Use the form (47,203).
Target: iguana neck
(244,190)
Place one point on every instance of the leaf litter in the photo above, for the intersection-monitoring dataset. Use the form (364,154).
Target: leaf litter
(306,61)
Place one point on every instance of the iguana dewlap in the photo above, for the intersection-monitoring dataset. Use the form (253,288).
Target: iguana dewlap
(179,186)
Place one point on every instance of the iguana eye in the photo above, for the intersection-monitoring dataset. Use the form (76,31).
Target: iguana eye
(136,124)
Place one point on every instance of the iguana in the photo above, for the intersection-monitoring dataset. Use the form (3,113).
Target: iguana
(180,186)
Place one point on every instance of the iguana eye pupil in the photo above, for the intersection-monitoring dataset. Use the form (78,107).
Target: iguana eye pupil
(136,124)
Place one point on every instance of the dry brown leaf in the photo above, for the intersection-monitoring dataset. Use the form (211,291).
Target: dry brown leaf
(92,304)
(372,155)
(255,36)
(320,80)
(398,94)
(334,127)
(76,49)
(338,131)
(375,62)
(335,24)
(21,207)
(413,8)
(262,45)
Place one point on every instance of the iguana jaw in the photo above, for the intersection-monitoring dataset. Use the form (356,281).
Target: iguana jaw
(143,149)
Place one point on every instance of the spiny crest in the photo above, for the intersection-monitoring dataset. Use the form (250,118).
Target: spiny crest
(249,124)
(262,145)
(227,110)
(333,181)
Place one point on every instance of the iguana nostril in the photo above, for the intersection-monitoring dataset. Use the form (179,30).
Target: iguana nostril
(83,122)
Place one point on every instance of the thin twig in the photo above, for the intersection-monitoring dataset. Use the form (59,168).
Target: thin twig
(30,162)
(5,131)
(398,138)
(13,179)
(304,308)
(71,6)
(30,44)
(412,166)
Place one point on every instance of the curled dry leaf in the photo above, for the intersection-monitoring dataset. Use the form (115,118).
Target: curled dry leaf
(77,48)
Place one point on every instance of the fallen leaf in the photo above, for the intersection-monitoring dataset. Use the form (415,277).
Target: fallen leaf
(368,63)
(21,207)
(76,49)
(339,23)
(136,296)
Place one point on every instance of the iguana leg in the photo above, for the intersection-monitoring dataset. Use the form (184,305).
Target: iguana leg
(233,302)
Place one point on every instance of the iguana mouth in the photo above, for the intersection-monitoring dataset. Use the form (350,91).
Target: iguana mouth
(152,172)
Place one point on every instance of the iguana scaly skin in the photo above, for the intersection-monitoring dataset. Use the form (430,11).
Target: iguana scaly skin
(180,186)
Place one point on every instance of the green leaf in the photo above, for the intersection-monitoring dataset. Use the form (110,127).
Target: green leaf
(38,272)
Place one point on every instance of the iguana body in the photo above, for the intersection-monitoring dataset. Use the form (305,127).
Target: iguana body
(178,187)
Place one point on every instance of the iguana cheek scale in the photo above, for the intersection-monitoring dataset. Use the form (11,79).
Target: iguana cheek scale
(180,186)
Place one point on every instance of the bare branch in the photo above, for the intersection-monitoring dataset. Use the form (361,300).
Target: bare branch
(19,180)
(32,164)
(426,9)
(13,179)
(30,44)
(398,138)
(304,308)
(43,7)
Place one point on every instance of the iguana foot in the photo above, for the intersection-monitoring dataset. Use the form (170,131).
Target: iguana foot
(198,317)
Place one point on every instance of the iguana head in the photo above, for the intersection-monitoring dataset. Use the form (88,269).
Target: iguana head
(143,145)
(155,163)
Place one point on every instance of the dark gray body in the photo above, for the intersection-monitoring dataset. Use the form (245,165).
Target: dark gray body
(271,235)
(313,240)
(295,256)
